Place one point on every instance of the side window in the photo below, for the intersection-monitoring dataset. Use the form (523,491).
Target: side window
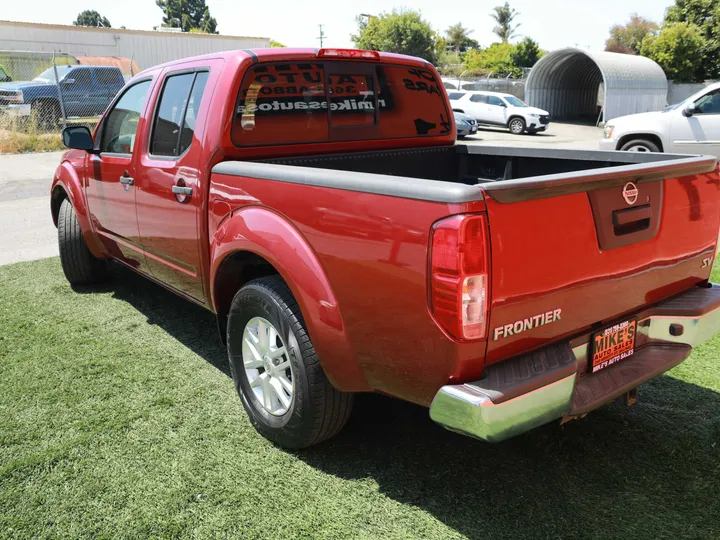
(478,98)
(178,106)
(709,103)
(192,111)
(80,78)
(121,123)
(109,77)
(494,100)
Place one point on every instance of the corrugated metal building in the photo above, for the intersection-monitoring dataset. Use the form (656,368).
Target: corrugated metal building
(145,48)
(569,83)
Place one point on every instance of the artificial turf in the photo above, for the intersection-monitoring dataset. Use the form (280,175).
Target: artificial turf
(118,419)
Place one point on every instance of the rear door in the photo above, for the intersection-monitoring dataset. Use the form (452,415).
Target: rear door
(476,106)
(170,182)
(576,252)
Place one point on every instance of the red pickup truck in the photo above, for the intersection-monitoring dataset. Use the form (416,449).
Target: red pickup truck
(318,203)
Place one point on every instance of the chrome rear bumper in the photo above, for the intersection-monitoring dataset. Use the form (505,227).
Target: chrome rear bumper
(492,410)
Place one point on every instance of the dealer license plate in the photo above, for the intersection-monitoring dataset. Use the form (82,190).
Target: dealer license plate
(613,344)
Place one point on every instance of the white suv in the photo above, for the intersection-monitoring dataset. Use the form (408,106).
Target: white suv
(495,109)
(690,127)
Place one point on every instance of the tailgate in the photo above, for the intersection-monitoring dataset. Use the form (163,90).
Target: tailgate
(572,252)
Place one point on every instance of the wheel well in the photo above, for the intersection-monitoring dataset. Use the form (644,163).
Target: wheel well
(236,270)
(646,136)
(56,199)
(513,117)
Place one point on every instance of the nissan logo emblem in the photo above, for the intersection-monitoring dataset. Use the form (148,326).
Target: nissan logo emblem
(630,193)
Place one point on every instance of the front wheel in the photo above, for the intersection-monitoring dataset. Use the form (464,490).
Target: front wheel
(516,126)
(640,145)
(78,264)
(276,371)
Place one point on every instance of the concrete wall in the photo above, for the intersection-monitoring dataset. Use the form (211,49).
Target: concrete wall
(147,48)
(678,92)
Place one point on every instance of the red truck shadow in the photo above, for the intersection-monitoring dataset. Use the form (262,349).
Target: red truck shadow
(618,473)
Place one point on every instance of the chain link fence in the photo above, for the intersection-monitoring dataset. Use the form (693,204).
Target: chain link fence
(506,83)
(40,93)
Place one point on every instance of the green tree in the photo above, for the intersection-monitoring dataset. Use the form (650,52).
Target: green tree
(705,14)
(276,44)
(90,17)
(504,16)
(676,48)
(526,53)
(497,58)
(401,31)
(188,15)
(627,38)
(459,39)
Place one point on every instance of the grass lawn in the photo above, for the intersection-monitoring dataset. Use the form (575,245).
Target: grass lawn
(118,419)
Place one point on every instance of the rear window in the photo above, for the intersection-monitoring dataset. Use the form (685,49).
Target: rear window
(109,77)
(456,95)
(285,103)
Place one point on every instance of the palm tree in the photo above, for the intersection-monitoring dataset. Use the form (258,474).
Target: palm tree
(456,35)
(504,17)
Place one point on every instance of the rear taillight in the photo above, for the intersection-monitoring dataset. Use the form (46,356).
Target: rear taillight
(459,276)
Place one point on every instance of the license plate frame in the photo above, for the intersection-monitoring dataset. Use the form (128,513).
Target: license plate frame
(612,344)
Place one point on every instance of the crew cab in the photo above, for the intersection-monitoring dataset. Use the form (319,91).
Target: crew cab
(691,126)
(318,204)
(86,91)
(497,109)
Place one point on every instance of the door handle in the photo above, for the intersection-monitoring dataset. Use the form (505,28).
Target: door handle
(126,180)
(182,190)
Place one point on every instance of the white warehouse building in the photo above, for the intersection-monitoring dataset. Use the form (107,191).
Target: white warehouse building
(146,48)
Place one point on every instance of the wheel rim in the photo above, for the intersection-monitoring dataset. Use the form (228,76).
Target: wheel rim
(638,148)
(516,126)
(267,366)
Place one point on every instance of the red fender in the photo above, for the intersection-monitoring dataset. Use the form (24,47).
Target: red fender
(66,179)
(267,234)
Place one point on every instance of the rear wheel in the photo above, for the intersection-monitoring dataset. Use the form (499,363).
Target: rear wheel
(78,264)
(276,371)
(640,145)
(516,126)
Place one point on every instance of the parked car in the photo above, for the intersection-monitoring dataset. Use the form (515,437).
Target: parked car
(496,109)
(466,125)
(346,243)
(86,92)
(692,126)
(4,75)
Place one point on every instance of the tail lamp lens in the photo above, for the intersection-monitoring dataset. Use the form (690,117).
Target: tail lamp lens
(459,280)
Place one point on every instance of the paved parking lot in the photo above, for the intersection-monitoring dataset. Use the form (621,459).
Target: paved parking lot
(28,232)
(578,136)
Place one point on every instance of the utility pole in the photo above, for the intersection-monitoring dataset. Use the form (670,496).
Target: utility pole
(322,35)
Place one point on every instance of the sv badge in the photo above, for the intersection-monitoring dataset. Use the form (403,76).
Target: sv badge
(707,261)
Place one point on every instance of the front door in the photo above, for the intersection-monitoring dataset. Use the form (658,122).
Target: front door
(496,111)
(111,176)
(699,133)
(170,184)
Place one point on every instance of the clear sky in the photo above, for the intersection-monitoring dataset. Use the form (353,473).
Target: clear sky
(553,23)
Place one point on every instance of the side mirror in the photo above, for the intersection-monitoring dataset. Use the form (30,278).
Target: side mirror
(78,138)
(690,110)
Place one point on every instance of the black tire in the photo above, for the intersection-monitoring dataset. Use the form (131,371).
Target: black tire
(516,125)
(461,136)
(78,264)
(640,145)
(317,410)
(47,114)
